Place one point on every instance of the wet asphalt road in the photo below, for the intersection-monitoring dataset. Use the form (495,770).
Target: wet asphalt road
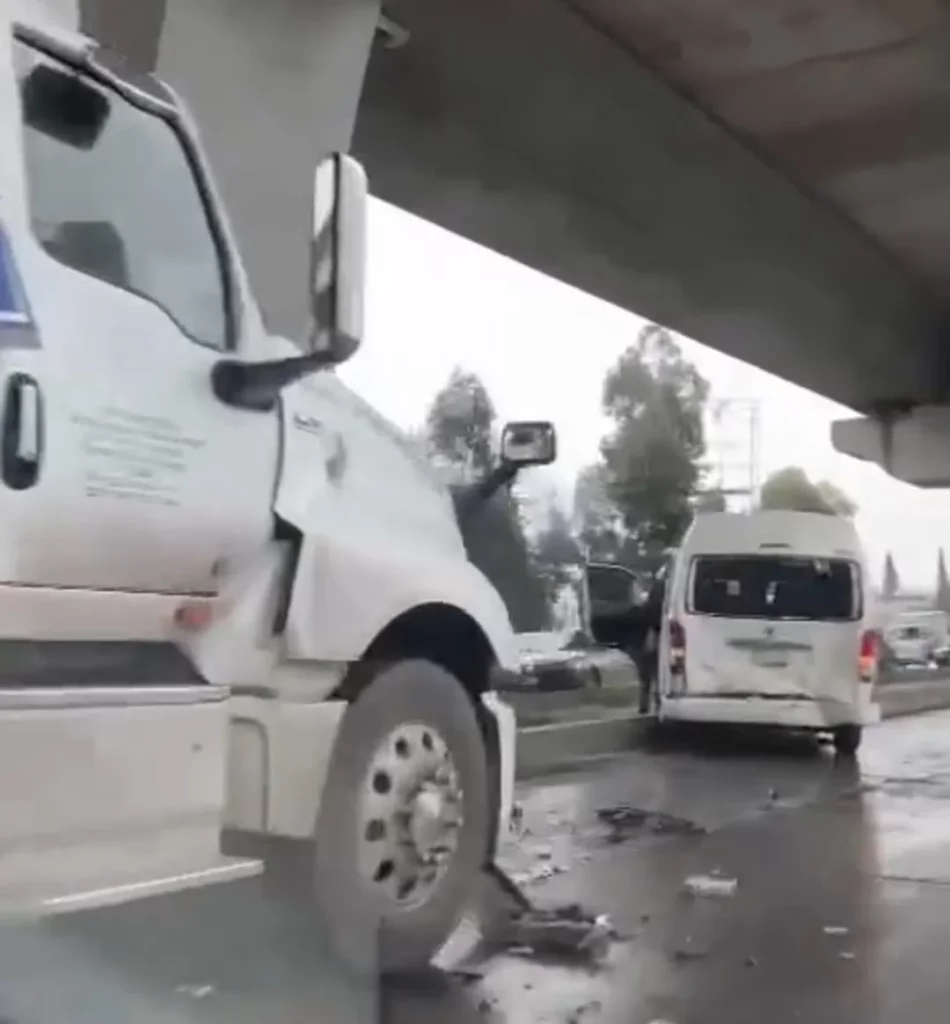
(840,913)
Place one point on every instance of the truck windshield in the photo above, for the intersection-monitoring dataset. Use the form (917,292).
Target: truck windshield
(754,587)
(121,204)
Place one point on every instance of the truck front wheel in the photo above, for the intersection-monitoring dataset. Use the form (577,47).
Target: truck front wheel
(402,833)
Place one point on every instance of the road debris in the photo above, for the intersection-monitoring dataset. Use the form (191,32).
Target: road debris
(195,991)
(751,961)
(846,955)
(574,1017)
(835,929)
(559,931)
(507,889)
(710,885)
(684,953)
(624,821)
(540,872)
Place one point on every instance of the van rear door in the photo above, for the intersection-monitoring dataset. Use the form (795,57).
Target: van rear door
(772,626)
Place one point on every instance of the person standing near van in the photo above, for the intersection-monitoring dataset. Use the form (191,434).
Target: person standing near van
(648,655)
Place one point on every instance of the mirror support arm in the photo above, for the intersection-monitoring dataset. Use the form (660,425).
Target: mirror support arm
(256,386)
(482,490)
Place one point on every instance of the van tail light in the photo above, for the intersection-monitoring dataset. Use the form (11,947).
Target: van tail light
(867,656)
(677,647)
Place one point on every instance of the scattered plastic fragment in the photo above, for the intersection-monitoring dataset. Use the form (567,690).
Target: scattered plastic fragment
(709,885)
(195,991)
(835,929)
(624,821)
(561,931)
(845,955)
(590,1007)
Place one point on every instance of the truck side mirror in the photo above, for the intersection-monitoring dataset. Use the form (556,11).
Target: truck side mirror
(338,258)
(526,443)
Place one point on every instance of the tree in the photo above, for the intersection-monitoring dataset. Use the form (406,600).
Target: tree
(560,563)
(556,548)
(460,431)
(942,599)
(790,488)
(840,503)
(652,454)
(890,584)
(460,422)
(597,521)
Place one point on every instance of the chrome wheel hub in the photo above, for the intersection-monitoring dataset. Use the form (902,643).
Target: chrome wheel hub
(410,815)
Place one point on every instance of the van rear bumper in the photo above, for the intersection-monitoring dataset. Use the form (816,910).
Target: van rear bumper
(789,713)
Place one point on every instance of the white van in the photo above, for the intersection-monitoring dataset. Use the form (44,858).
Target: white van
(764,624)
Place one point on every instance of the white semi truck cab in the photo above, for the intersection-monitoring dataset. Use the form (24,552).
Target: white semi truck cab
(236,615)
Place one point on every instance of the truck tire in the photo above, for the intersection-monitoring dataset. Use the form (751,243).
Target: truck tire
(403,828)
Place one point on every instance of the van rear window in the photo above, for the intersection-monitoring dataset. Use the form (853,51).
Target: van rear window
(755,587)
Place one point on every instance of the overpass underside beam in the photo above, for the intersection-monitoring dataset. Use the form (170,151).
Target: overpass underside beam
(912,445)
(527,128)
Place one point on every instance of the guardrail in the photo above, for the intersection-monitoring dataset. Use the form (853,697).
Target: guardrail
(912,697)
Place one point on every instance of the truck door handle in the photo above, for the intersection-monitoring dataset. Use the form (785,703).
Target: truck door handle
(22,432)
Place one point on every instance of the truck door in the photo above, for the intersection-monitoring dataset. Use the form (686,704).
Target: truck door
(120,471)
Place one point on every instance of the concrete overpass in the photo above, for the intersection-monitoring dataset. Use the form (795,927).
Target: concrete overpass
(771,177)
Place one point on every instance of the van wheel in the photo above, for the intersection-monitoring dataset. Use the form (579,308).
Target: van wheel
(847,739)
(403,828)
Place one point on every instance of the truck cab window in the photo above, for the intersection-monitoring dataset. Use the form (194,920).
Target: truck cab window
(114,195)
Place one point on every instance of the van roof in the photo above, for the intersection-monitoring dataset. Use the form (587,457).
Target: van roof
(773,532)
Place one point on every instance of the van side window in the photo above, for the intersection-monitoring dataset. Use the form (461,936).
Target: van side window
(113,195)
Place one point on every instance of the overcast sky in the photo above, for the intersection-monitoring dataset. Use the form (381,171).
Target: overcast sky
(436,301)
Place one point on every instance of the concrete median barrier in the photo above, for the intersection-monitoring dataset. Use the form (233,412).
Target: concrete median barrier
(545,749)
(913,697)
